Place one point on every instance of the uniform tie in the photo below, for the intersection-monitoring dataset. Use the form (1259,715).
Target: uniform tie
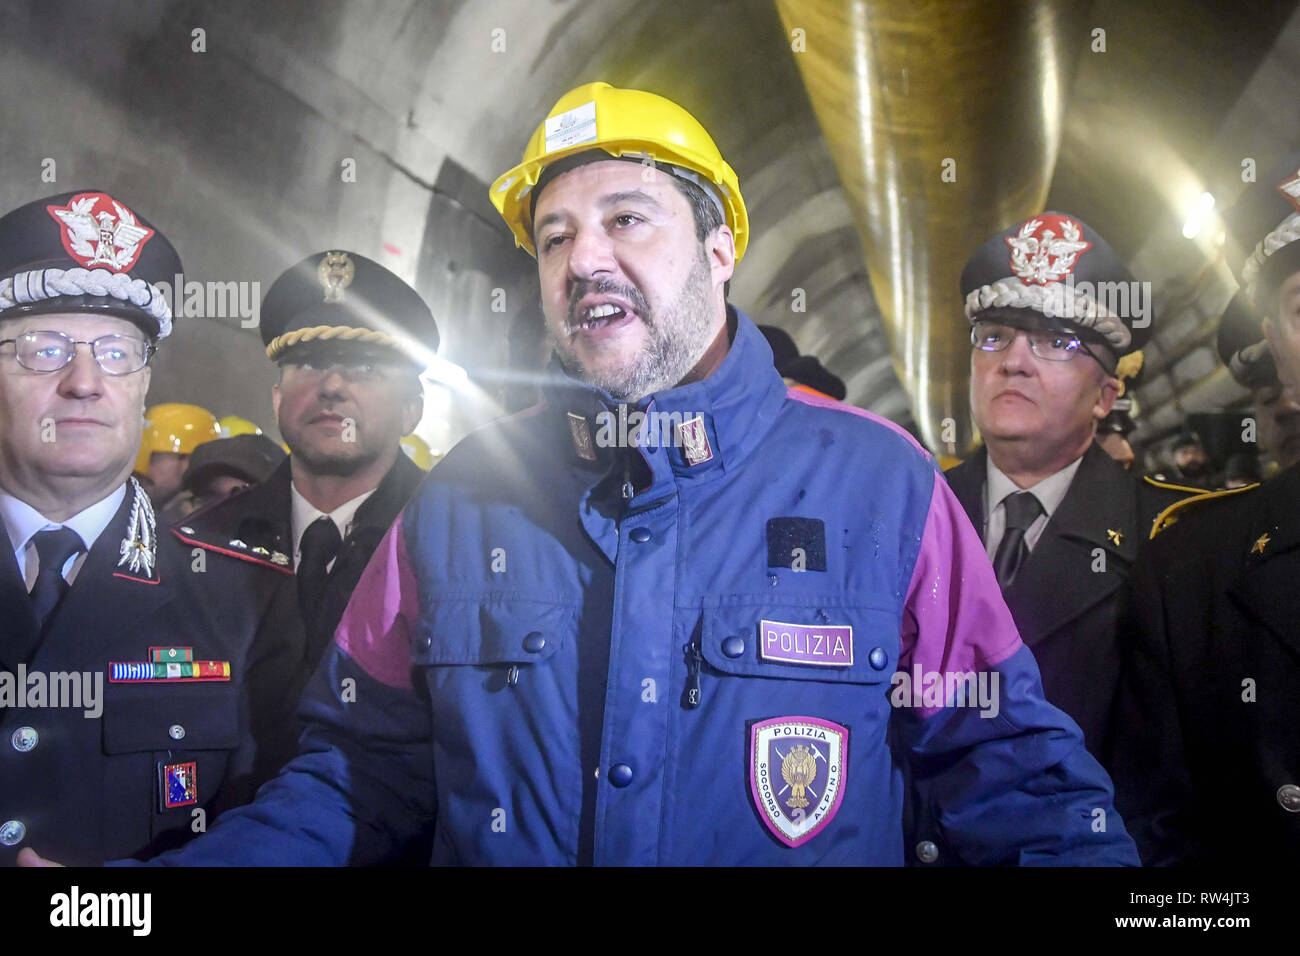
(1022,510)
(320,545)
(53,548)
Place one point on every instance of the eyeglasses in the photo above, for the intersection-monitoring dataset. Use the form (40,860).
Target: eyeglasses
(1050,344)
(50,351)
(360,371)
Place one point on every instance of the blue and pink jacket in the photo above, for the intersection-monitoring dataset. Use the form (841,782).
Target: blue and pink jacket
(740,646)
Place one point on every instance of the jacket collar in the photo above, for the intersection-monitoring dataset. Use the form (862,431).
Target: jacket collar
(104,581)
(694,432)
(265,509)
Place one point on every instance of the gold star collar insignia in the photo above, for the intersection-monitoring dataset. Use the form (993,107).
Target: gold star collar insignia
(1116,538)
(1260,544)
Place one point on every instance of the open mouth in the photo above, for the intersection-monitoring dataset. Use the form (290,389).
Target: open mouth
(596,316)
(326,418)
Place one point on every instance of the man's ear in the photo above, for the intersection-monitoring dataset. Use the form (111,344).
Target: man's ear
(720,250)
(1108,391)
(413,408)
(275,402)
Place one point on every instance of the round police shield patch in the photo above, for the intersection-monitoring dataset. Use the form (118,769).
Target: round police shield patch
(796,774)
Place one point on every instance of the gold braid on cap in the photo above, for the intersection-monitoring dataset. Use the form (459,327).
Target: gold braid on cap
(324,333)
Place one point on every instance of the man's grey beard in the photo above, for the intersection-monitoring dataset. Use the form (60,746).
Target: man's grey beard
(677,340)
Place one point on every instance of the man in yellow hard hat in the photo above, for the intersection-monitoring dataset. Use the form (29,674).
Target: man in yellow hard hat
(589,641)
(171,433)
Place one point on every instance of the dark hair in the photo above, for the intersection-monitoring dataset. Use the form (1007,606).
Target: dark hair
(704,210)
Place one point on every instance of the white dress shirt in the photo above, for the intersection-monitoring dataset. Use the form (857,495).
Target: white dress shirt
(1050,492)
(22,522)
(304,513)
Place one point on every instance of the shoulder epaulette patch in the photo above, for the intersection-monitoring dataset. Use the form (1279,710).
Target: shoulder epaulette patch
(276,560)
(1170,486)
(1171,514)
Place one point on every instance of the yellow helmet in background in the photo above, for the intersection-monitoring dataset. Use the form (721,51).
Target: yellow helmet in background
(232,425)
(629,123)
(418,450)
(177,428)
(143,455)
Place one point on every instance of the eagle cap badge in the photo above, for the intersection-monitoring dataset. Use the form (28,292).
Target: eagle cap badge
(797,769)
(97,230)
(1046,249)
(335,272)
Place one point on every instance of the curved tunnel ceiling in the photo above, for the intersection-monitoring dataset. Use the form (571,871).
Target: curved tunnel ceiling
(236,152)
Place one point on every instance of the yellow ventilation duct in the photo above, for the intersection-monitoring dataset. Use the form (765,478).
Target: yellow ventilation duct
(943,118)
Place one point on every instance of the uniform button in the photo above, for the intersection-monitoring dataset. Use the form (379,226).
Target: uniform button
(620,775)
(534,642)
(927,852)
(640,535)
(12,833)
(175,731)
(733,646)
(425,641)
(878,658)
(1289,796)
(24,739)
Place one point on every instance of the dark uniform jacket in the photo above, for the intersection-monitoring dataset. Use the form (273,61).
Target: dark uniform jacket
(1207,768)
(260,518)
(1069,596)
(82,789)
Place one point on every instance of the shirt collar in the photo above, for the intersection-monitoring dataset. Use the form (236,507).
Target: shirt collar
(1050,492)
(22,521)
(304,513)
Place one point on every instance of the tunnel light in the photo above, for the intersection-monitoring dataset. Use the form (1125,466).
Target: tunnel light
(1197,217)
(445,372)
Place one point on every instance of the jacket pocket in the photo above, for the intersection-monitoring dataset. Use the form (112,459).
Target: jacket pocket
(182,716)
(488,631)
(805,638)
(171,747)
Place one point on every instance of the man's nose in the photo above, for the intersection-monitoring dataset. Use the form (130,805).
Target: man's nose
(333,381)
(82,377)
(591,254)
(1018,356)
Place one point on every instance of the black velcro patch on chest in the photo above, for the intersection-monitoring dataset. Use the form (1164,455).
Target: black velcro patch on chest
(796,543)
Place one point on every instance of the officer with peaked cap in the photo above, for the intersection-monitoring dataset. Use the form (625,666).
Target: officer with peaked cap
(1244,351)
(1052,309)
(350,339)
(572,649)
(104,615)
(1209,764)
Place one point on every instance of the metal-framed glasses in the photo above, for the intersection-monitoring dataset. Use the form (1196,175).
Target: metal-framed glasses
(50,351)
(360,370)
(1053,345)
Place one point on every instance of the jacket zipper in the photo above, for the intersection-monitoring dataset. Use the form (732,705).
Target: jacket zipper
(691,696)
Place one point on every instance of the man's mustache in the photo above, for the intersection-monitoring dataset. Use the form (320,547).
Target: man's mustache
(631,294)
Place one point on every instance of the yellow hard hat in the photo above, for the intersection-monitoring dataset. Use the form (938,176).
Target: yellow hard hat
(232,425)
(143,456)
(417,449)
(178,428)
(622,123)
